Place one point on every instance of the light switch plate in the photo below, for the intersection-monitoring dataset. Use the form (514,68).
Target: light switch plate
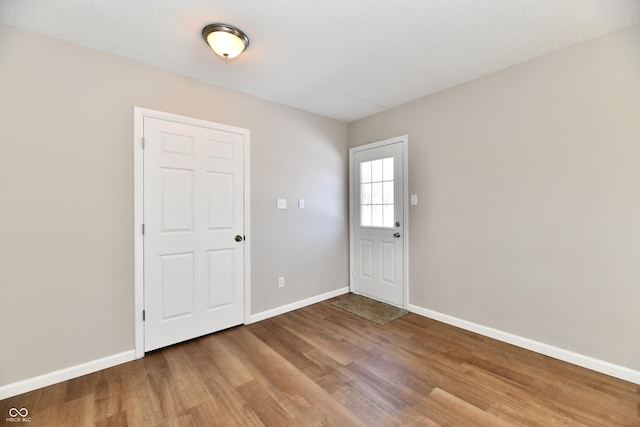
(300,203)
(414,200)
(282,203)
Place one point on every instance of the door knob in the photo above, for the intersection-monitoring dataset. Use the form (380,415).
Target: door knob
(396,234)
(239,238)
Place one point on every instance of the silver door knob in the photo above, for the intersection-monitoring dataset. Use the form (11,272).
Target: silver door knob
(239,238)
(396,234)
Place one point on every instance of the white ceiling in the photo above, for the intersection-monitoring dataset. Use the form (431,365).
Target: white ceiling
(344,59)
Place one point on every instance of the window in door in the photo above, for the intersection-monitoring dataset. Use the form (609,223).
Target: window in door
(376,193)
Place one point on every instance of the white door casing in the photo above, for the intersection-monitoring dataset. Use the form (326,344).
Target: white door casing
(378,216)
(194,205)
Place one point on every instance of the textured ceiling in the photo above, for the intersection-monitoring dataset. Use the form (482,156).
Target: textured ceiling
(344,59)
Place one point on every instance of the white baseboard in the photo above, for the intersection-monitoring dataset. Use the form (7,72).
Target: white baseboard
(296,305)
(588,362)
(45,380)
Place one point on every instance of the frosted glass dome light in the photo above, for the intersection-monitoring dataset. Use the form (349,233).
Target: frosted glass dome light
(225,40)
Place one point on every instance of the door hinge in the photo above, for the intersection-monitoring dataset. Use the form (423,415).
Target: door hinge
(143,142)
(144,315)
(142,228)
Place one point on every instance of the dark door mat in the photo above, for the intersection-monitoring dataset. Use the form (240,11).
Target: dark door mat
(367,308)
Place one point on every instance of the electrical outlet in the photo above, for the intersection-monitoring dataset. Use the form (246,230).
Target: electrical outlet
(280,282)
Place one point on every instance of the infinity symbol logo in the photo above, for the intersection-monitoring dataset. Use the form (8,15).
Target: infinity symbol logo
(23,412)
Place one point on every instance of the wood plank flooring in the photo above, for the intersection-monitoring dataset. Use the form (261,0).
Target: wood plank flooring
(321,366)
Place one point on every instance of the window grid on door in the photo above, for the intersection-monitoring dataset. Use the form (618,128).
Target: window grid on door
(377,207)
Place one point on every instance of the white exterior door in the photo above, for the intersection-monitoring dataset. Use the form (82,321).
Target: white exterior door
(193,231)
(377,220)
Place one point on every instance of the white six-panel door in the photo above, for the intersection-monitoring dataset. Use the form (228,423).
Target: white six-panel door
(193,230)
(378,221)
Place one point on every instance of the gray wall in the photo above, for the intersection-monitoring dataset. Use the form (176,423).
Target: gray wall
(66,205)
(529,189)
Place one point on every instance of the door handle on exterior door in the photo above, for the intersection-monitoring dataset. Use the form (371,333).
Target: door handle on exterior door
(396,234)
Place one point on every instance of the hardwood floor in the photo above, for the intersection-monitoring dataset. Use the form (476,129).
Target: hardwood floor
(321,366)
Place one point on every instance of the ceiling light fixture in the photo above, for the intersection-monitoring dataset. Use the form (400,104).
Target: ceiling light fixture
(225,40)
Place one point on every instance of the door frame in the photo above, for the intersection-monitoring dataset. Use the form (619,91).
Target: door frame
(139,115)
(404,140)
